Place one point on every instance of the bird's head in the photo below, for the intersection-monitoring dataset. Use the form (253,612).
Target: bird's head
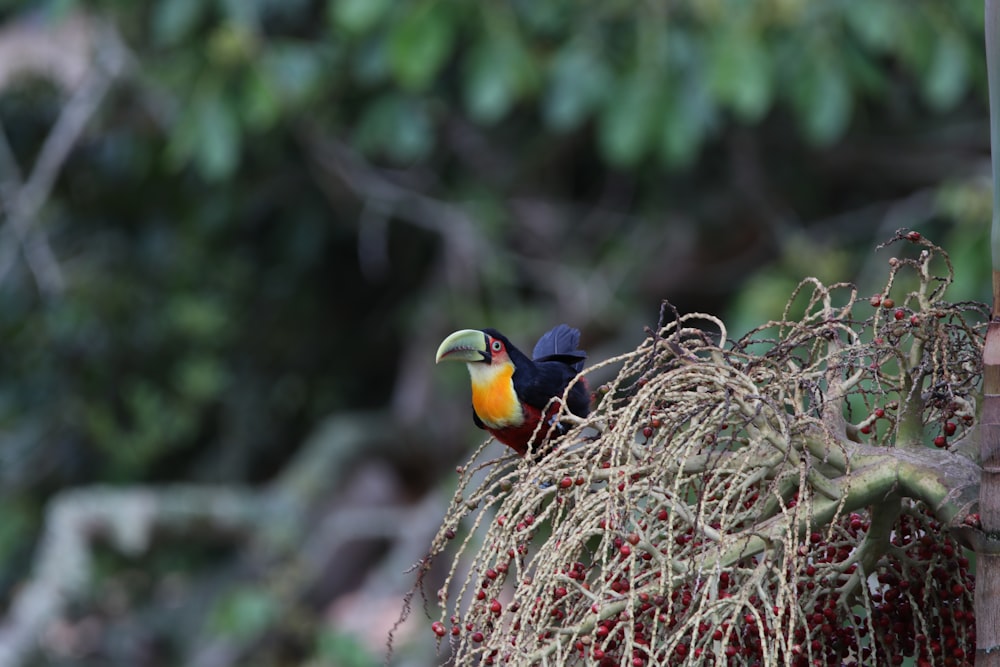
(473,346)
(491,361)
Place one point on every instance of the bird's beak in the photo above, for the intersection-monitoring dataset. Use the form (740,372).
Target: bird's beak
(466,345)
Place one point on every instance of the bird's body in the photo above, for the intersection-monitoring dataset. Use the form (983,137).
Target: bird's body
(510,391)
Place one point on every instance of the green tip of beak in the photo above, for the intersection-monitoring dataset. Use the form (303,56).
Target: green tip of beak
(467,345)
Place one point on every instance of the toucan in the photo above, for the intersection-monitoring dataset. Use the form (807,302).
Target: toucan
(510,391)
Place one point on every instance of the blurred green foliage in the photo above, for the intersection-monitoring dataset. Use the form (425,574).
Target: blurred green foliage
(657,80)
(244,613)
(222,292)
(336,648)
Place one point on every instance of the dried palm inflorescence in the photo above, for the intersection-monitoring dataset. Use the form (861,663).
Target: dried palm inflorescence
(778,500)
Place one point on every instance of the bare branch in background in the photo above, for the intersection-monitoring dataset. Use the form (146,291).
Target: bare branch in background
(274,522)
(21,200)
(126,518)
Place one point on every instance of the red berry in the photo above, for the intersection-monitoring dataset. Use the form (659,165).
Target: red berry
(913,236)
(899,314)
(625,549)
(647,432)
(940,441)
(438,628)
(876,301)
(495,606)
(888,303)
(866,429)
(477,637)
(565,482)
(632,538)
(449,534)
(662,515)
(949,428)
(879,412)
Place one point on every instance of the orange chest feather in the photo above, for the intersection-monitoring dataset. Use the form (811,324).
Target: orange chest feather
(493,396)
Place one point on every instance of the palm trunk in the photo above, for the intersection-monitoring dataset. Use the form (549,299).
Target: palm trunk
(987,560)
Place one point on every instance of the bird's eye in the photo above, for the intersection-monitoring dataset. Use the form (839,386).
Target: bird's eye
(497,346)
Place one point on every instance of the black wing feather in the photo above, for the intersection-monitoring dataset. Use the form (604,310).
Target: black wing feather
(560,344)
(547,379)
(556,361)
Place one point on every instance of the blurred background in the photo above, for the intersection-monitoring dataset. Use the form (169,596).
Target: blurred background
(233,232)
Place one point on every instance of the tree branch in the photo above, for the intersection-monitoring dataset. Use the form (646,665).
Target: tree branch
(22,201)
(276,520)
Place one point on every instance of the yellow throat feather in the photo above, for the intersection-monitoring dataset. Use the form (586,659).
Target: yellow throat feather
(493,396)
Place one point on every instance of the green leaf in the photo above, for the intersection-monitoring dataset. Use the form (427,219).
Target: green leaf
(396,125)
(195,317)
(244,613)
(915,43)
(262,104)
(357,16)
(628,120)
(175,20)
(200,378)
(875,22)
(53,10)
(549,17)
(687,119)
(948,76)
(496,72)
(866,74)
(231,44)
(419,44)
(242,12)
(370,61)
(16,525)
(965,245)
(343,650)
(413,138)
(739,73)
(207,134)
(218,136)
(295,70)
(578,81)
(829,108)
